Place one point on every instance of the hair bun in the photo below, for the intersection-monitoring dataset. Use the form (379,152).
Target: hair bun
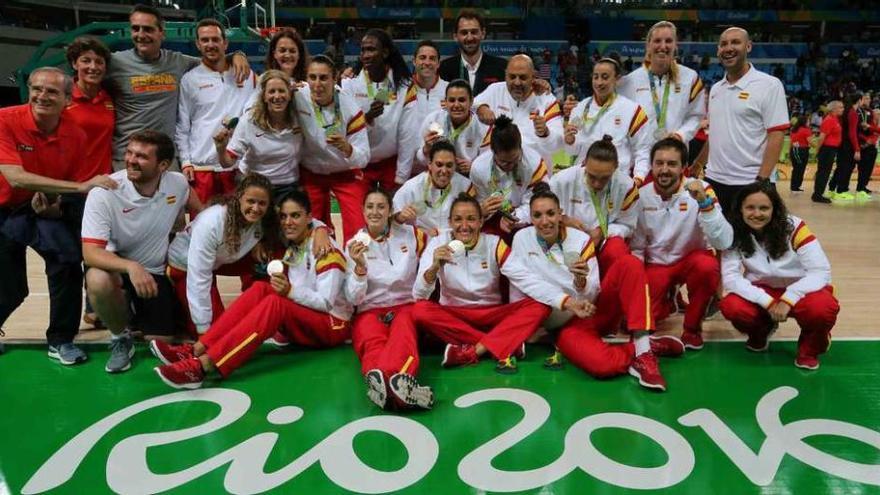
(608,138)
(541,187)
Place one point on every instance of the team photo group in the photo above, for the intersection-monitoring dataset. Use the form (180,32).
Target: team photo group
(478,211)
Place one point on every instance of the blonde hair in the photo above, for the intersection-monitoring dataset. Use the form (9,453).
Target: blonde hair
(260,112)
(673,66)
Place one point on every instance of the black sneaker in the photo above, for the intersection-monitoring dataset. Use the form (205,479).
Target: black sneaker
(820,199)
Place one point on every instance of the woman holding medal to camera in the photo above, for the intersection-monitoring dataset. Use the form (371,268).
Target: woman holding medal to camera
(426,199)
(504,178)
(383,261)
(672,95)
(472,317)
(303,299)
(556,265)
(268,139)
(609,113)
(336,147)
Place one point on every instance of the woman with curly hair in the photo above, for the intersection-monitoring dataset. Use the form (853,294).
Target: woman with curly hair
(219,241)
(776,268)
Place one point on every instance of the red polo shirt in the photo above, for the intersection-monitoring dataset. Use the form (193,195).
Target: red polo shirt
(56,156)
(96,117)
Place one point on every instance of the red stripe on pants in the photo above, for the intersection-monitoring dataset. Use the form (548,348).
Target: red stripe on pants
(612,249)
(624,293)
(508,325)
(350,189)
(208,184)
(699,271)
(580,341)
(815,313)
(256,315)
(382,172)
(383,346)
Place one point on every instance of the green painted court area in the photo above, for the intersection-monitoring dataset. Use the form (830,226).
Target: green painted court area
(299,422)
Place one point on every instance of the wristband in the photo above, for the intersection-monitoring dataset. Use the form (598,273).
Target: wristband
(705,203)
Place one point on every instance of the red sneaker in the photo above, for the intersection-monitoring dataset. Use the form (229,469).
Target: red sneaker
(170,354)
(406,391)
(666,346)
(692,340)
(278,340)
(645,368)
(182,374)
(459,355)
(807,362)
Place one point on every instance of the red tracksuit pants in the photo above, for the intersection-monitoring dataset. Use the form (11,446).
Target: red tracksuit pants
(612,249)
(815,313)
(242,268)
(390,347)
(208,184)
(256,315)
(700,271)
(383,173)
(624,292)
(350,189)
(500,328)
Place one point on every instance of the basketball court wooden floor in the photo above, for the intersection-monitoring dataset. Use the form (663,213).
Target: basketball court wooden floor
(299,422)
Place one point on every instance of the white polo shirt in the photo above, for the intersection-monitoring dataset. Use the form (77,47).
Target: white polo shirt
(469,141)
(132,226)
(207,98)
(501,102)
(685,107)
(628,125)
(740,117)
(421,192)
(274,154)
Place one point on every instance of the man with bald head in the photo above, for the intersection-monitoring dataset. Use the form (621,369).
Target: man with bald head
(538,116)
(748,116)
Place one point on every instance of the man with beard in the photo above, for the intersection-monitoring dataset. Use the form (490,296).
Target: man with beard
(538,116)
(674,234)
(41,152)
(477,68)
(125,237)
(144,80)
(209,98)
(748,117)
(424,96)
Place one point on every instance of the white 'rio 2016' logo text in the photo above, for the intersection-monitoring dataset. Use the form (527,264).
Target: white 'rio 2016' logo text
(127,470)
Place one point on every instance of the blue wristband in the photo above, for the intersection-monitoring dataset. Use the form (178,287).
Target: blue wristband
(705,203)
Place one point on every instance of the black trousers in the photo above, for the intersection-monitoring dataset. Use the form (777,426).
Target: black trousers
(726,195)
(866,167)
(799,157)
(825,161)
(65,281)
(843,173)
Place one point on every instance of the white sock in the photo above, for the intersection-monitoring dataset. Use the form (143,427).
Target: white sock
(642,344)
